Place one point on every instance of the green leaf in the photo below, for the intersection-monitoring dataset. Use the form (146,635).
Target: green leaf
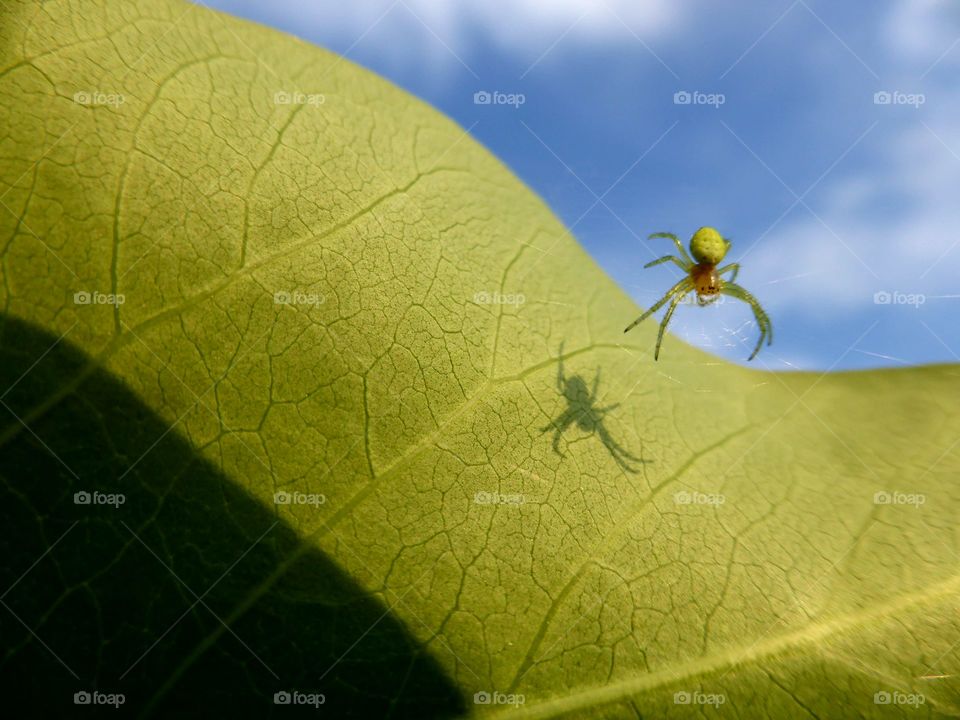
(130,593)
(329,289)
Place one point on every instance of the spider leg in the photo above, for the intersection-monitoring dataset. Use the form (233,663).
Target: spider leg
(596,383)
(666,321)
(559,426)
(676,241)
(603,411)
(669,258)
(758,310)
(763,320)
(684,284)
(619,453)
(561,419)
(734,267)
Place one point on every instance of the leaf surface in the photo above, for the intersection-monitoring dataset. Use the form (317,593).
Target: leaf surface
(330,289)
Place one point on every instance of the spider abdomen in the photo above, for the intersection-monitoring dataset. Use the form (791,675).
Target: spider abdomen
(705,279)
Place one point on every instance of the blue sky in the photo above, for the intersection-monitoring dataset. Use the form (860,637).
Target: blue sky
(836,200)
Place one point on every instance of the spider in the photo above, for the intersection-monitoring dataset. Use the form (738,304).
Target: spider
(582,411)
(708,248)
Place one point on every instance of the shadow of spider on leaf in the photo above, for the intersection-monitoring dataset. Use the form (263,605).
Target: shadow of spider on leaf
(582,411)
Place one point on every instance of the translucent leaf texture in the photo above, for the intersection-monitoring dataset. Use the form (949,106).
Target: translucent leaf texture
(329,289)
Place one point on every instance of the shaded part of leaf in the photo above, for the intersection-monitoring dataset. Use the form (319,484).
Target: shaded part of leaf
(100,599)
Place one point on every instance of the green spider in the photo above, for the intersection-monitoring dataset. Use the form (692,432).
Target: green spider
(708,248)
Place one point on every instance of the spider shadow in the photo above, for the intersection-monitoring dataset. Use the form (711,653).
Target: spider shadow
(584,412)
(111,605)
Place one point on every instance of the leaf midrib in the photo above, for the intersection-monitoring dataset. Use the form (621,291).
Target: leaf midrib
(308,542)
(813,633)
(600,549)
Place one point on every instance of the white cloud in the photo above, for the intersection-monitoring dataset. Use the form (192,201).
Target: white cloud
(408,31)
(898,213)
(906,249)
(923,30)
(516,24)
